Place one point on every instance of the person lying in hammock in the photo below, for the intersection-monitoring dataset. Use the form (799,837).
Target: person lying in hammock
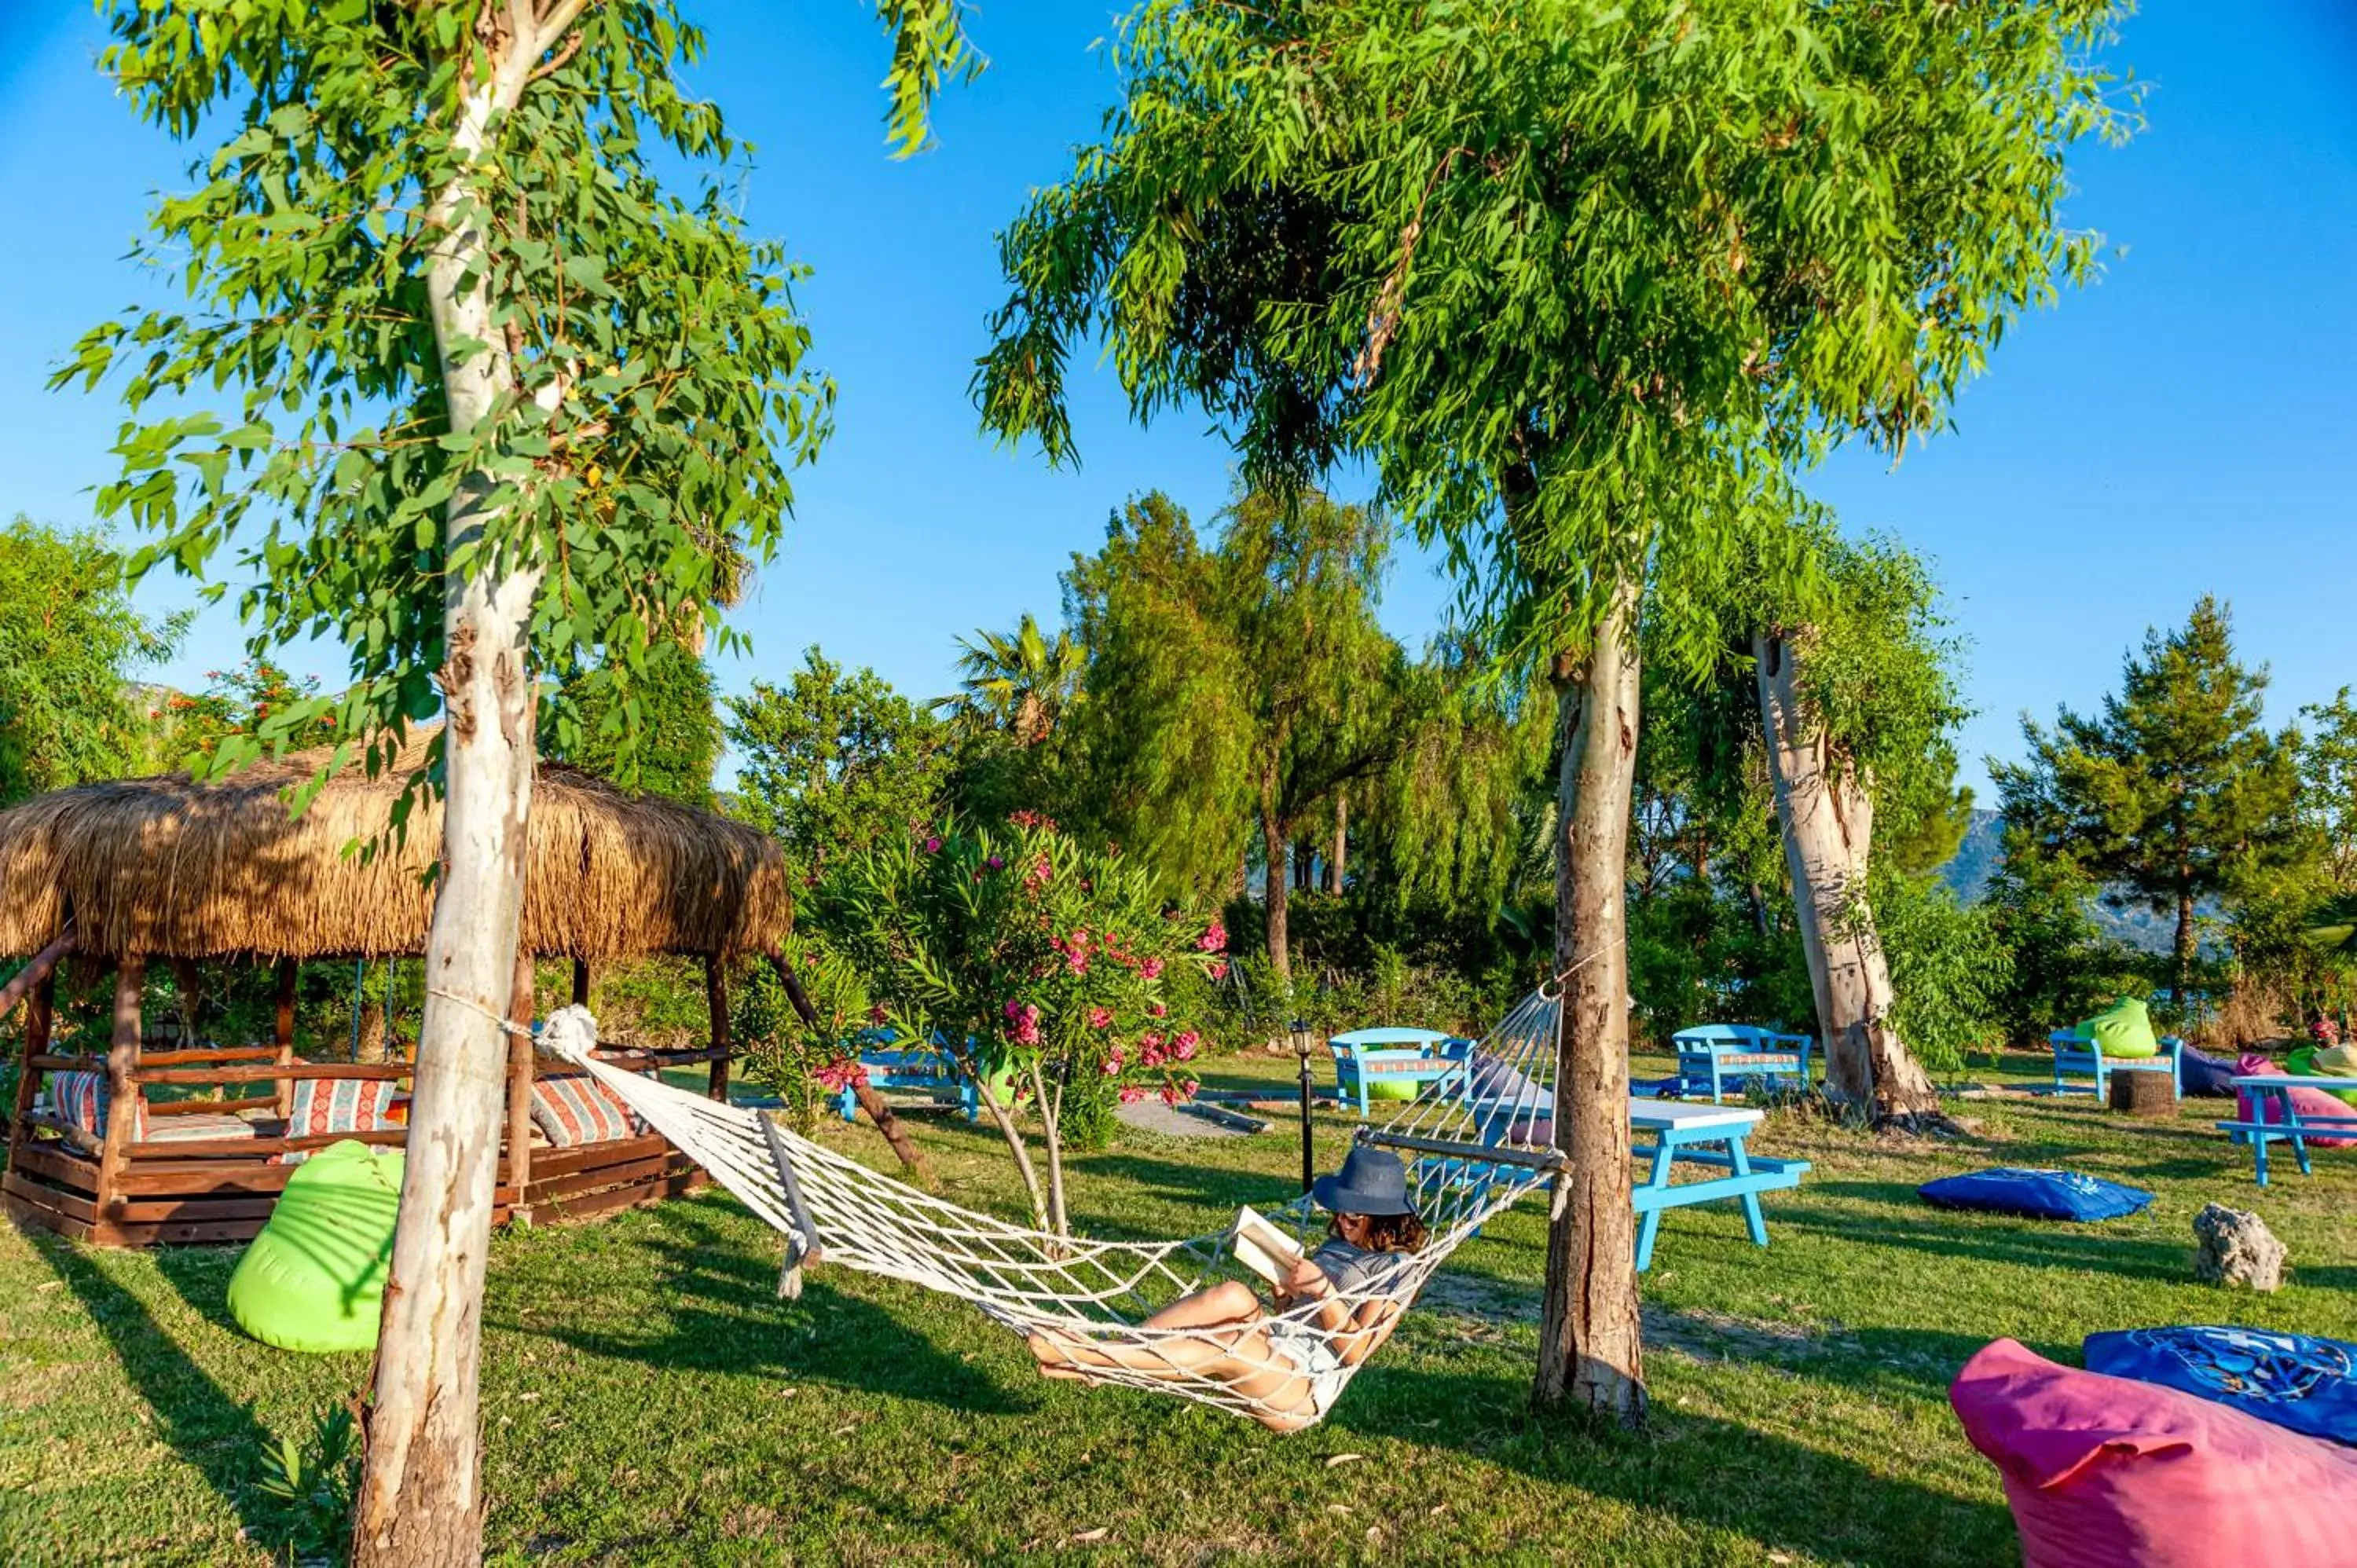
(1288,1364)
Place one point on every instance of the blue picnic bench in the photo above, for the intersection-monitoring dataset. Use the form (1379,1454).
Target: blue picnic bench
(2289,1123)
(1714,1057)
(1712,1136)
(927,1072)
(2076,1058)
(1421,1057)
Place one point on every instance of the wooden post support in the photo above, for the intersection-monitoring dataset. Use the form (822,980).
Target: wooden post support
(581,982)
(283,1034)
(40,1009)
(519,1011)
(716,1000)
(122,1094)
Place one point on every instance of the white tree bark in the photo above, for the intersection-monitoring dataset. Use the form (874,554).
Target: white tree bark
(421,1498)
(1827,817)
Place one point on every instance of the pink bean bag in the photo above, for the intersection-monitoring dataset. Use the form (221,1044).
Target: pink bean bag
(2105,1473)
(2308,1102)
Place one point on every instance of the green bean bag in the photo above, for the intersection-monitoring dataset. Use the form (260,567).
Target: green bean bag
(314,1279)
(2332,1061)
(2124,1030)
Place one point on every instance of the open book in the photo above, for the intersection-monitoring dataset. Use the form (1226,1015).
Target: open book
(1263,1249)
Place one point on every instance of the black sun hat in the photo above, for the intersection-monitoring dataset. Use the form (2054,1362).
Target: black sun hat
(1372,1181)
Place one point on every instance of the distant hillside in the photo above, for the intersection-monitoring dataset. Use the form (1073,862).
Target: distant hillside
(1983,850)
(1977,858)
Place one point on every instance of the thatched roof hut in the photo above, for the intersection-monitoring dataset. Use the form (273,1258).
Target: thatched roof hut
(168,867)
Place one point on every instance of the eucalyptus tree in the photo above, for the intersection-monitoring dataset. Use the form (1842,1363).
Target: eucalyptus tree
(496,402)
(1858,705)
(1573,275)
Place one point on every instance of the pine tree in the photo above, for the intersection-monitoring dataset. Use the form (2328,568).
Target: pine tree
(2175,792)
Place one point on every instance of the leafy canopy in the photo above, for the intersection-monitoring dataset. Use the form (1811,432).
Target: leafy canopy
(659,395)
(1596,261)
(70,643)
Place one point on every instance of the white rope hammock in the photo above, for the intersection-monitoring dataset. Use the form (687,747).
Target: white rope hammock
(1470,1156)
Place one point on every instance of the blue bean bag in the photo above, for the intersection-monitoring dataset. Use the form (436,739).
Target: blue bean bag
(2040,1195)
(2295,1380)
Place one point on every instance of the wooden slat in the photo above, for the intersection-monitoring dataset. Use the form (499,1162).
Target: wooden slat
(146,1179)
(194,1209)
(210,1054)
(633,1197)
(267,1073)
(33,1212)
(80,1205)
(52,1161)
(581,1157)
(175,1233)
(207,1107)
(540,1192)
(637,1056)
(22,983)
(391,1137)
(79,1137)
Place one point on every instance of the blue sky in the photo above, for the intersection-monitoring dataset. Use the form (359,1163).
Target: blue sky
(2183,426)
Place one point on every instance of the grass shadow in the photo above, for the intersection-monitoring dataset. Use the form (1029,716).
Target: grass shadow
(1996,1238)
(722,1314)
(221,1438)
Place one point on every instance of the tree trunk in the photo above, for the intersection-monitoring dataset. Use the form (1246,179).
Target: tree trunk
(1341,858)
(2183,951)
(1274,838)
(1590,1344)
(1827,818)
(879,1110)
(1051,1115)
(421,1498)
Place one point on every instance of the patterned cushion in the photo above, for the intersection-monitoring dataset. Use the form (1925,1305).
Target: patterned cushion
(324,1105)
(81,1098)
(574,1108)
(196,1127)
(1759,1059)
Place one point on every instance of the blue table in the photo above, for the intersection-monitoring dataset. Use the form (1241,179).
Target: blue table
(1713,1058)
(1417,1057)
(925,1070)
(2289,1123)
(1712,1135)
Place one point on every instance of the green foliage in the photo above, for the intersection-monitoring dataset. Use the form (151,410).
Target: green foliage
(2175,791)
(70,642)
(835,764)
(1018,683)
(670,746)
(650,391)
(1017,950)
(313,1484)
(2327,785)
(238,701)
(1949,969)
(2063,967)
(1593,266)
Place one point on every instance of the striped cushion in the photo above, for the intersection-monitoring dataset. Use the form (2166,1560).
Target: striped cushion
(196,1127)
(1759,1059)
(84,1099)
(324,1105)
(574,1108)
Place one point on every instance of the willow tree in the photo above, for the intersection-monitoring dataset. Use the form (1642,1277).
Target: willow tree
(494,402)
(1566,272)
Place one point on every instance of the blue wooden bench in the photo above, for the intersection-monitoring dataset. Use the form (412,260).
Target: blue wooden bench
(2077,1058)
(926,1072)
(1423,1058)
(1715,1057)
(2290,1124)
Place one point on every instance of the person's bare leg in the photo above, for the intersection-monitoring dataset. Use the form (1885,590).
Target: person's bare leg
(1228,1305)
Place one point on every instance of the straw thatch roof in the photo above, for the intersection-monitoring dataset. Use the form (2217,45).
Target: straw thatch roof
(166,866)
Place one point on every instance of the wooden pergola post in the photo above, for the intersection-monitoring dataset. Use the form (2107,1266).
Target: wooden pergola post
(520,1010)
(283,1034)
(715,999)
(40,1012)
(581,982)
(122,1093)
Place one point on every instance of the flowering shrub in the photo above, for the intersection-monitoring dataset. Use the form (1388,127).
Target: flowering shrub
(1017,951)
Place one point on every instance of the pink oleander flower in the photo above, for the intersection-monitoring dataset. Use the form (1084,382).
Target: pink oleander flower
(1026,1027)
(1012,1009)
(1169,1095)
(933,844)
(995,863)
(1183,1048)
(1113,1064)
(1156,1008)
(1151,969)
(876,1013)
(1100,1018)
(1131,1094)
(841,1074)
(1218,970)
(1214,939)
(1152,1055)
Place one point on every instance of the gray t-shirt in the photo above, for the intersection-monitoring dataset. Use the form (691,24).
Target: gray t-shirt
(1354,1270)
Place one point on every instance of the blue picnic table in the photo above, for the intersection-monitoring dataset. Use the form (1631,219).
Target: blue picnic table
(1714,1136)
(1709,1135)
(1418,1056)
(2077,1057)
(1714,1057)
(928,1072)
(2288,1123)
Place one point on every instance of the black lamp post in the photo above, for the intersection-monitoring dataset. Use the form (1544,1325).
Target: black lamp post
(1302,1040)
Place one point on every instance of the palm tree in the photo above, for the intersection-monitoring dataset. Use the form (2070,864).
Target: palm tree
(1019,681)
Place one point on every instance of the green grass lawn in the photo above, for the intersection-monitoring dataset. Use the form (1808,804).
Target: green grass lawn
(647,1398)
